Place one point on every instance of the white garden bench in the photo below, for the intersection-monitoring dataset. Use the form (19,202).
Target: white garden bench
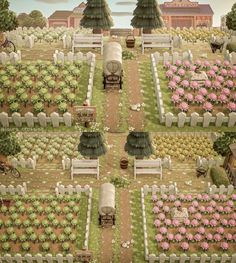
(159,41)
(147,167)
(87,41)
(84,167)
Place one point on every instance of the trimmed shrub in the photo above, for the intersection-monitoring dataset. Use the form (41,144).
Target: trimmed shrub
(218,176)
(231,47)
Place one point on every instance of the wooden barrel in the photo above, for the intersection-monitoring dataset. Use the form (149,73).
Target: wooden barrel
(124,163)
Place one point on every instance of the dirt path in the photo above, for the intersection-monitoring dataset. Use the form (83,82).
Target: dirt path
(106,247)
(125,231)
(136,118)
(112,109)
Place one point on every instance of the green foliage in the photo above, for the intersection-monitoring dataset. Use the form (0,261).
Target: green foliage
(8,20)
(128,55)
(97,15)
(34,19)
(147,15)
(138,144)
(231,47)
(221,145)
(119,182)
(8,144)
(231,18)
(91,144)
(219,177)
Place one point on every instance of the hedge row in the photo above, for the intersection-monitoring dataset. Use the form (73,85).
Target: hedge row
(219,176)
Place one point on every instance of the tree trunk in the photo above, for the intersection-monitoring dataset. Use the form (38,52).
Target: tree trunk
(147,31)
(97,31)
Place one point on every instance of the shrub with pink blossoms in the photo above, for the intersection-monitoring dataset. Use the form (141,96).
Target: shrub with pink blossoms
(209,237)
(170,236)
(157,223)
(167,65)
(226,64)
(183,106)
(224,246)
(175,98)
(166,209)
(165,246)
(204,246)
(185,246)
(173,69)
(172,85)
(229,84)
(201,230)
(181,72)
(175,222)
(206,64)
(186,64)
(203,91)
(167,222)
(225,91)
(223,99)
(178,237)
(195,223)
(159,237)
(213,223)
(220,79)
(211,74)
(218,63)
(231,107)
(163,230)
(217,237)
(156,210)
(198,237)
(178,63)
(161,216)
(189,236)
(205,222)
(194,85)
(207,84)
(180,92)
(224,222)
(207,106)
(199,99)
(184,83)
(216,216)
(233,197)
(159,203)
(229,237)
(169,74)
(232,73)
(216,85)
(177,79)
(182,230)
(189,97)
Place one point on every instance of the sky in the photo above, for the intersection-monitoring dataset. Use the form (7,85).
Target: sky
(47,7)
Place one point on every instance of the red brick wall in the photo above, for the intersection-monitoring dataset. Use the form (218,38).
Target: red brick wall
(55,23)
(72,22)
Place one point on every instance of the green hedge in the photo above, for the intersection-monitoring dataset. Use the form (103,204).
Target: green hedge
(231,47)
(219,176)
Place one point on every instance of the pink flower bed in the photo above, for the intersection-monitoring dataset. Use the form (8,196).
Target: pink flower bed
(216,94)
(210,225)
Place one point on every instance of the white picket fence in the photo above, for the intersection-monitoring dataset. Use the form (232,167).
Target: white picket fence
(209,162)
(13,190)
(213,189)
(12,57)
(162,189)
(172,58)
(78,189)
(29,163)
(169,119)
(231,57)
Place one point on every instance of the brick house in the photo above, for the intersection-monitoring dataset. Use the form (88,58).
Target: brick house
(185,13)
(67,18)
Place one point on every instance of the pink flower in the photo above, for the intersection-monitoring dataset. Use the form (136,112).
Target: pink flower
(215,68)
(164,197)
(206,197)
(167,222)
(193,68)
(227,209)
(224,245)
(180,92)
(225,91)
(194,85)
(233,216)
(182,230)
(201,230)
(172,85)
(198,63)
(207,106)
(216,85)
(159,237)
(212,97)
(189,97)
(213,203)
(220,208)
(177,79)
(166,209)
(229,83)
(223,72)
(161,216)
(216,216)
(181,72)
(189,197)
(163,230)
(175,98)
(192,209)
(207,84)
(195,203)
(222,98)
(234,237)
(202,208)
(178,237)
(232,222)
(199,99)
(216,197)
(173,69)
(203,91)
(182,197)
(220,230)
(210,209)
(213,223)
(198,237)
(226,63)
(183,106)
(205,222)
(204,246)
(189,236)
(186,64)
(167,64)
(233,197)
(175,222)
(172,198)
(159,203)
(165,246)
(199,197)
(156,210)
(169,74)
(218,62)
(194,223)
(198,216)
(231,106)
(223,197)
(157,222)
(209,237)
(178,63)
(170,236)
(154,198)
(228,236)
(211,73)
(187,222)
(184,83)
(230,203)
(217,237)
(185,246)
(224,222)
(232,73)
(206,64)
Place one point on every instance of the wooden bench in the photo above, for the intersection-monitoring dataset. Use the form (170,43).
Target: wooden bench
(147,167)
(84,167)
(159,41)
(87,41)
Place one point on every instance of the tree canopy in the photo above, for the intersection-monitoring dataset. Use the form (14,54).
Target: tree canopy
(231,18)
(34,19)
(97,15)
(91,144)
(138,144)
(8,143)
(147,15)
(8,19)
(221,145)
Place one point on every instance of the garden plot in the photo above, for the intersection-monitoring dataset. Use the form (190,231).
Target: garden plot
(49,147)
(43,86)
(33,224)
(191,224)
(209,89)
(183,147)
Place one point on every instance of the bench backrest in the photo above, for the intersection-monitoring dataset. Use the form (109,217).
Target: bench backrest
(81,38)
(148,163)
(157,38)
(84,163)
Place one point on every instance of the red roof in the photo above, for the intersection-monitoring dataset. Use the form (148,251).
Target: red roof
(203,9)
(61,14)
